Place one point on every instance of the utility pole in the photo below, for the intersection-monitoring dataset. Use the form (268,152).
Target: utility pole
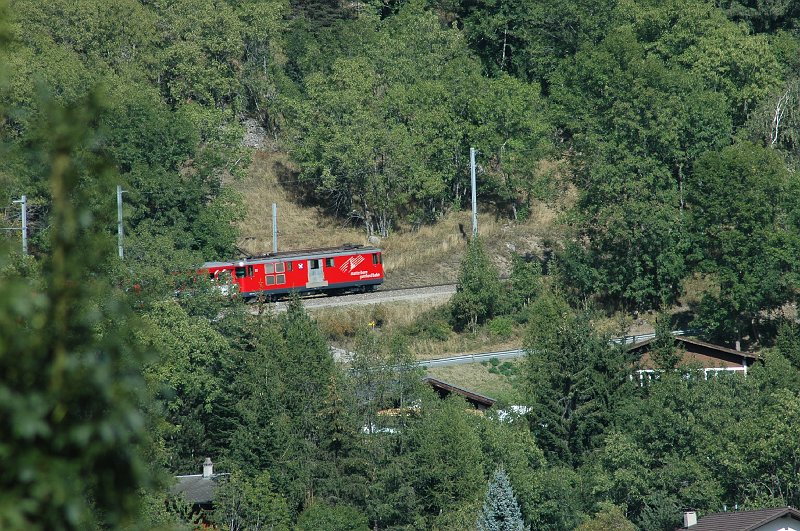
(474,193)
(24,204)
(119,222)
(274,227)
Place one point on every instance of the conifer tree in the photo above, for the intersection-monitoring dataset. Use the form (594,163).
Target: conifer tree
(500,508)
(525,281)
(665,354)
(478,290)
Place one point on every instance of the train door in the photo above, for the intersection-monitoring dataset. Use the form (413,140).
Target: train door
(316,274)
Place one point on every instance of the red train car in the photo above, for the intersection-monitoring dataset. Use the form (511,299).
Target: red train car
(331,270)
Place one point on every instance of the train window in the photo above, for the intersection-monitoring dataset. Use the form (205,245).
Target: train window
(376,258)
(281,279)
(270,268)
(270,281)
(329,262)
(249,271)
(240,272)
(279,268)
(314,264)
(288,266)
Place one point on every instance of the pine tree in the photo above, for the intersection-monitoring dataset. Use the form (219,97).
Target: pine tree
(500,508)
(478,290)
(526,273)
(665,354)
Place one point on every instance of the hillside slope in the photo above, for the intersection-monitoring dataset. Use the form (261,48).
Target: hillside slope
(429,255)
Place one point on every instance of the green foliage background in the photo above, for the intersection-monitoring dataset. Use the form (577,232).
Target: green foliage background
(674,125)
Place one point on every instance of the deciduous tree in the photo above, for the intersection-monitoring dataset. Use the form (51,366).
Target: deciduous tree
(71,383)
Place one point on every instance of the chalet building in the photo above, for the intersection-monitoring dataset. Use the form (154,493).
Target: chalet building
(710,358)
(778,519)
(199,489)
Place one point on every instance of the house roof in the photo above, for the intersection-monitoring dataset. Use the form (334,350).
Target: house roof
(196,488)
(472,397)
(744,520)
(696,342)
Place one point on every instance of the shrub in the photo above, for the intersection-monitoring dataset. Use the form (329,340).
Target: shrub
(501,327)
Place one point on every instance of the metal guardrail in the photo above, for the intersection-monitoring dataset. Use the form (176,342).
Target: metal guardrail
(518,353)
(471,358)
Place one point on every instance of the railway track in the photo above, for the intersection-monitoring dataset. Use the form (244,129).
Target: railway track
(380,296)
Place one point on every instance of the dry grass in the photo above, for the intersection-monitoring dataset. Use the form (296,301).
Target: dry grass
(429,255)
(694,288)
(299,227)
(476,377)
(342,324)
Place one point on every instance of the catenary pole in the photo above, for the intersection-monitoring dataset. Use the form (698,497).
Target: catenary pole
(23,201)
(119,222)
(474,193)
(274,227)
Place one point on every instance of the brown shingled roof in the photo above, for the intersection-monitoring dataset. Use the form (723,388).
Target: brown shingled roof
(472,397)
(742,521)
(692,341)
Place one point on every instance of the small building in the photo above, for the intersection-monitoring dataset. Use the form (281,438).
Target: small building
(711,358)
(777,519)
(199,490)
(444,389)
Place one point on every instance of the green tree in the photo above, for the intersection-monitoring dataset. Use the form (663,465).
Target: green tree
(500,510)
(763,17)
(71,381)
(611,519)
(525,281)
(243,502)
(199,57)
(620,472)
(294,416)
(509,444)
(528,39)
(635,141)
(788,342)
(664,352)
(740,215)
(263,75)
(576,380)
(448,468)
(383,126)
(477,294)
(334,518)
(508,125)
(186,379)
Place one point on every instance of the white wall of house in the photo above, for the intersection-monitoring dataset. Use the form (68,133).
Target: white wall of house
(782,524)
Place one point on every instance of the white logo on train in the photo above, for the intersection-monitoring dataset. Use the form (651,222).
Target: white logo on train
(351,263)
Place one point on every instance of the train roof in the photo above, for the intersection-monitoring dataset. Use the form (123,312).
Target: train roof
(302,253)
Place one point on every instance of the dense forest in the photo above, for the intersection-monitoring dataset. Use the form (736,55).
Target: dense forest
(666,131)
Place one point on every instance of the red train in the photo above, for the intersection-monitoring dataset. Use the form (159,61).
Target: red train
(331,270)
